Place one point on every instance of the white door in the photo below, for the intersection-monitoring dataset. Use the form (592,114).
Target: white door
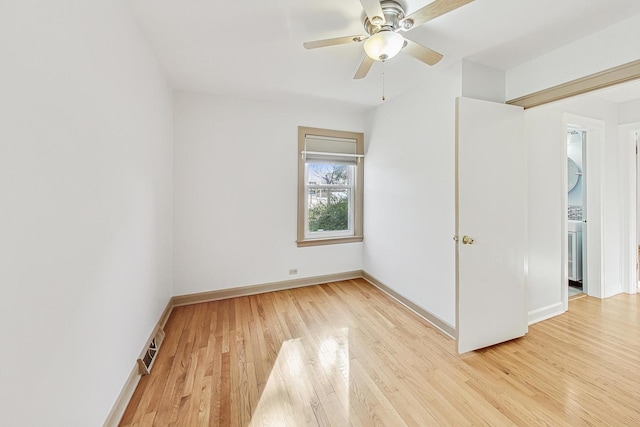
(491,218)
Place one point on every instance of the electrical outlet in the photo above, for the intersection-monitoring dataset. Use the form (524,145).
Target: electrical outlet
(293,271)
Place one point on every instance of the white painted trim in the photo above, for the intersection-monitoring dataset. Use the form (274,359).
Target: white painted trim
(629,253)
(610,291)
(120,405)
(437,322)
(564,271)
(545,313)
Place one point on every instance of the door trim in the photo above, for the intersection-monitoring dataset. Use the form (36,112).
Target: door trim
(627,138)
(610,77)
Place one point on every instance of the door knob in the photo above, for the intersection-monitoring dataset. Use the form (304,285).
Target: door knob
(466,240)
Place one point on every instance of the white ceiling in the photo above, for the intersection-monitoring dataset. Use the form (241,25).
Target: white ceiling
(253,48)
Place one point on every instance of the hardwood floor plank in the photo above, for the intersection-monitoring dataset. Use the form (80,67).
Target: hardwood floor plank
(215,355)
(204,407)
(345,354)
(173,390)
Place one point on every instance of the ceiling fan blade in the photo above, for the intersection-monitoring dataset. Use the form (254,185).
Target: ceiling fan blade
(422,53)
(374,11)
(364,68)
(431,11)
(332,42)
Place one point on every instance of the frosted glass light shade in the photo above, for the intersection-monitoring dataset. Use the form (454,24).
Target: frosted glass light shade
(574,137)
(383,45)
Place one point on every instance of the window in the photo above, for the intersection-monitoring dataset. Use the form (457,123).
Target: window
(330,171)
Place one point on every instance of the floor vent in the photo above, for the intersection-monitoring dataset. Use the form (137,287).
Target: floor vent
(145,362)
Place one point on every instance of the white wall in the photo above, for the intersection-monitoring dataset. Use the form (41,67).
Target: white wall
(235,180)
(546,141)
(409,193)
(482,82)
(610,47)
(85,207)
(629,118)
(629,112)
(545,134)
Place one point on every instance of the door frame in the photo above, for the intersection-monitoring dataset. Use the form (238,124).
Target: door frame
(593,273)
(585,201)
(630,163)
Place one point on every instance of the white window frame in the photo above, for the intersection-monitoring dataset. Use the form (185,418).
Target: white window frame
(355,187)
(350,188)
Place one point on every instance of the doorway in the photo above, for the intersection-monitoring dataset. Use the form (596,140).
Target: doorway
(582,223)
(576,212)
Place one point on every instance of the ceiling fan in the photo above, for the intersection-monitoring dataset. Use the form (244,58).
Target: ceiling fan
(383,21)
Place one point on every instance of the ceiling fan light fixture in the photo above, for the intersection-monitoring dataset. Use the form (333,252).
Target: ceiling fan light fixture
(377,20)
(407,24)
(383,45)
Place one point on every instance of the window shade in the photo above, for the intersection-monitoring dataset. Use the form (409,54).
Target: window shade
(330,150)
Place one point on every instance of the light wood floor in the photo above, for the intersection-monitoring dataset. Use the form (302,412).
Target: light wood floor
(346,354)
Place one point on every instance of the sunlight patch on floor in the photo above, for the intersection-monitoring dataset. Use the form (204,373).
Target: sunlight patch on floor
(308,382)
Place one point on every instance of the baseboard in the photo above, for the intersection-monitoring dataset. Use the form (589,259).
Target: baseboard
(612,290)
(544,313)
(120,405)
(262,288)
(118,408)
(437,322)
(165,315)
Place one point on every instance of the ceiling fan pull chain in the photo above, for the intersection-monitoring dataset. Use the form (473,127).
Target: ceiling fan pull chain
(383,80)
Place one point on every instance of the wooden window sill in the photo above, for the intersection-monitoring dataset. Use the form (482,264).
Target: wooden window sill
(329,241)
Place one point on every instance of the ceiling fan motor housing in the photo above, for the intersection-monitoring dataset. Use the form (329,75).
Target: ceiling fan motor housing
(393,14)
